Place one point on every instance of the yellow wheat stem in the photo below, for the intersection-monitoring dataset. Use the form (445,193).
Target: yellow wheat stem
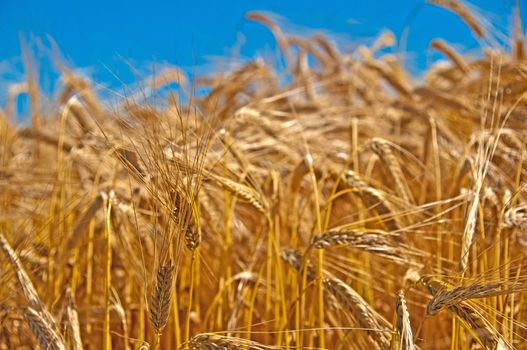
(107,343)
(190,294)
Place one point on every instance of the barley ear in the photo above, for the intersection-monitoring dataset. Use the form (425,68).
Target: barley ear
(162,298)
(29,291)
(403,328)
(43,331)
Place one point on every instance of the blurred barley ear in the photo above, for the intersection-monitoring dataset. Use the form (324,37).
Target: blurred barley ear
(27,286)
(73,322)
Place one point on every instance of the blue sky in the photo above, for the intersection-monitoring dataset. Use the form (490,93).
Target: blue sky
(99,35)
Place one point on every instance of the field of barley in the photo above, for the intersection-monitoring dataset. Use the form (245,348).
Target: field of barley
(335,203)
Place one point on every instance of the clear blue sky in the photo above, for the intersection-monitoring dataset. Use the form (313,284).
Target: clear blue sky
(97,33)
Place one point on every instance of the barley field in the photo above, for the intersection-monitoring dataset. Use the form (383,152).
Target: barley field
(347,206)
